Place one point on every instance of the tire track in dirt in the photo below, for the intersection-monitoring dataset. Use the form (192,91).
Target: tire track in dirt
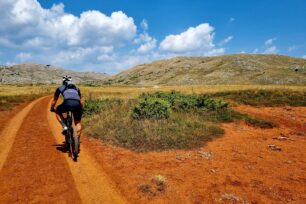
(34,171)
(9,132)
(92,183)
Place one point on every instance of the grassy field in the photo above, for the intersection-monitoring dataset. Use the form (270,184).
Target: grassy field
(114,122)
(11,96)
(112,113)
(129,92)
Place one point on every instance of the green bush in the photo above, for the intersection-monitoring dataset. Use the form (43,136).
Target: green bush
(211,103)
(183,102)
(95,106)
(182,130)
(151,108)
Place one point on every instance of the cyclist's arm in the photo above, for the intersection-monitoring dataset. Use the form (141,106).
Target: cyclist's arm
(55,98)
(82,104)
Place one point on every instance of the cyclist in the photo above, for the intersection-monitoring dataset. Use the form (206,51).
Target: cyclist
(72,102)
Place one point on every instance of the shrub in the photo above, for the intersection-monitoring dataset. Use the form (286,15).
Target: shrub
(210,103)
(151,108)
(182,130)
(182,102)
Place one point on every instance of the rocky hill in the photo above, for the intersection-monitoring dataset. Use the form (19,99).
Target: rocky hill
(227,69)
(43,74)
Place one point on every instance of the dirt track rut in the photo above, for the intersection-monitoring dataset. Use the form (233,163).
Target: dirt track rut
(34,170)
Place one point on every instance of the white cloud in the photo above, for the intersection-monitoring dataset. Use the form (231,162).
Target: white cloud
(90,41)
(269,41)
(294,48)
(35,26)
(215,52)
(198,38)
(304,56)
(232,19)
(144,24)
(54,36)
(255,50)
(150,44)
(194,41)
(271,50)
(147,42)
(225,41)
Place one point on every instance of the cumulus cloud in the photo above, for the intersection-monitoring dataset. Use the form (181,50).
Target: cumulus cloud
(30,31)
(269,41)
(33,25)
(148,45)
(271,50)
(144,24)
(197,39)
(226,40)
(147,42)
(91,41)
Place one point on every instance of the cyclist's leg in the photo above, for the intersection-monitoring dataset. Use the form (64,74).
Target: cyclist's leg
(59,114)
(78,127)
(77,114)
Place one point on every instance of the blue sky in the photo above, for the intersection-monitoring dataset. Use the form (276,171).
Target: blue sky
(111,36)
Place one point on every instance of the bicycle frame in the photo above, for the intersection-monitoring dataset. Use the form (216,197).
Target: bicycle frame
(71,138)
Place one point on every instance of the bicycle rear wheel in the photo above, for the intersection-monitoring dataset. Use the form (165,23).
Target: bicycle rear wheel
(75,147)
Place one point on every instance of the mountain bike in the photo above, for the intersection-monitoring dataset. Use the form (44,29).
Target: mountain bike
(72,140)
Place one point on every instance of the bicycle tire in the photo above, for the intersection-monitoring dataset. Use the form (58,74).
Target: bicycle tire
(75,145)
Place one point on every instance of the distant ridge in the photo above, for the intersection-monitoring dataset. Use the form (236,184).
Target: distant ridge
(31,73)
(226,69)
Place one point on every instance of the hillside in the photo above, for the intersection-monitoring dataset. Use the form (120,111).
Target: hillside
(227,69)
(43,74)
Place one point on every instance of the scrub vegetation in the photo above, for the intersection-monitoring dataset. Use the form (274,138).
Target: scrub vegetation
(162,120)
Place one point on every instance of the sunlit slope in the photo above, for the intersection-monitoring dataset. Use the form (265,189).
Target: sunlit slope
(227,69)
(31,73)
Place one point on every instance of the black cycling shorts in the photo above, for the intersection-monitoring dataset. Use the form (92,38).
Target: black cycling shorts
(71,105)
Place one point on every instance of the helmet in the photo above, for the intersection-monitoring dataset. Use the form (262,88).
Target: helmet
(67,79)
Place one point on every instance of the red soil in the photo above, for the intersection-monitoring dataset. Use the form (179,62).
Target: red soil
(242,169)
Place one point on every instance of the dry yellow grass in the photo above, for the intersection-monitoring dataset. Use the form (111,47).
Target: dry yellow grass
(127,92)
(16,90)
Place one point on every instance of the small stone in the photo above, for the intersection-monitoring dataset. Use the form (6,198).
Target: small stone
(282,137)
(182,157)
(206,155)
(212,170)
(274,147)
(230,197)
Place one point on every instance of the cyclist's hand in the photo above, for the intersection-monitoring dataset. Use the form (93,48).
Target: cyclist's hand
(52,109)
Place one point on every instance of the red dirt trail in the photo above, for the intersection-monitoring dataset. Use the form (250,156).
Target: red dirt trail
(242,168)
(34,171)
